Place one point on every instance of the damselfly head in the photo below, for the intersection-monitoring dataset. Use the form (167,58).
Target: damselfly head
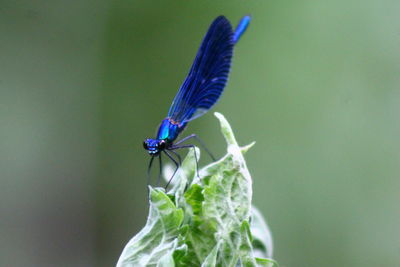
(154,146)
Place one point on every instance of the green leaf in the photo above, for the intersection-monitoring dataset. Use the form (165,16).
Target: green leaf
(157,238)
(246,256)
(204,221)
(266,262)
(262,239)
(211,259)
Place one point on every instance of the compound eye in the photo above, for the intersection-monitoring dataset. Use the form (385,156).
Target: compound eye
(162,144)
(145,145)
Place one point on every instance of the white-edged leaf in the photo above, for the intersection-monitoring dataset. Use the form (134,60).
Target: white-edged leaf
(157,238)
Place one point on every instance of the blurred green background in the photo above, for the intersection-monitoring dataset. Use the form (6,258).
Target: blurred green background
(315,83)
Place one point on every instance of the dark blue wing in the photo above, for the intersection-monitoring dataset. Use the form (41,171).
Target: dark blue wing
(208,74)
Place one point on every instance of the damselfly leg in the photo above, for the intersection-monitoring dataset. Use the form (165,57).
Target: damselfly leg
(198,140)
(160,172)
(176,169)
(148,171)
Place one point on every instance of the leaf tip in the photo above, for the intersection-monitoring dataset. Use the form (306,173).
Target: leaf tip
(246,148)
(226,129)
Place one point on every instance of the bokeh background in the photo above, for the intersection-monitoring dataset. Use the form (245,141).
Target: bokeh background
(315,83)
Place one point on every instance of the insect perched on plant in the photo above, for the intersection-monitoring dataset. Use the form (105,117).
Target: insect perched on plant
(199,92)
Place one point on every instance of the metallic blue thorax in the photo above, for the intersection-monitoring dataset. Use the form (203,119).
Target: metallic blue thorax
(169,130)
